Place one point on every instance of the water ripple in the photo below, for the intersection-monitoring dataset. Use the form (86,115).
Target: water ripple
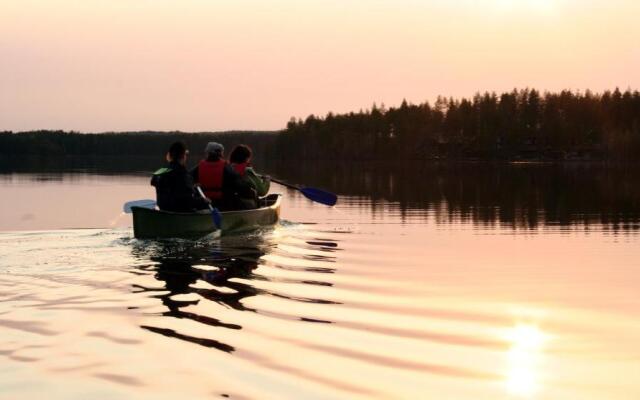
(296,310)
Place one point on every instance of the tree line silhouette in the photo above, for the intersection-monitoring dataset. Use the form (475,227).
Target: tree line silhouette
(517,125)
(136,144)
(521,124)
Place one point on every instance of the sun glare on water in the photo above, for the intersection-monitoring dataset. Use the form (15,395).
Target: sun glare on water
(524,359)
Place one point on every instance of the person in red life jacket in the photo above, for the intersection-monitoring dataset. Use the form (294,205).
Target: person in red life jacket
(174,186)
(240,160)
(218,180)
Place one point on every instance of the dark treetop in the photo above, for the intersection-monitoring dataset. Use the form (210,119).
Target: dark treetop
(516,125)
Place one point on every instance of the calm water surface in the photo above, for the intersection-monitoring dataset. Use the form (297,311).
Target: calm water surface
(513,283)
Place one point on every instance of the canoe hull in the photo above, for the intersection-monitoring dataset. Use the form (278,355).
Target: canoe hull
(155,224)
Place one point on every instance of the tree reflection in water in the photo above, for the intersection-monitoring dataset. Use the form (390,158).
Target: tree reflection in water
(520,195)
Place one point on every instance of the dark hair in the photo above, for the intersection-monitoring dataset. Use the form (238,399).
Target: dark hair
(177,151)
(240,154)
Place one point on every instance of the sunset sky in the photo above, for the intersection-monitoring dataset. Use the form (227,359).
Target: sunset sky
(198,65)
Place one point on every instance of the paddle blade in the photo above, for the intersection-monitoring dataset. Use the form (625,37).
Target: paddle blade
(320,196)
(215,214)
(217,217)
(138,203)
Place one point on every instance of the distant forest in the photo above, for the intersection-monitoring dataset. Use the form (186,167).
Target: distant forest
(521,124)
(152,144)
(517,125)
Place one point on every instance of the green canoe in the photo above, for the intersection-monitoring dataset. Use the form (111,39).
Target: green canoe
(152,224)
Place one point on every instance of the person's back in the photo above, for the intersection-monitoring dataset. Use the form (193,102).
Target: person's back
(210,175)
(174,186)
(240,160)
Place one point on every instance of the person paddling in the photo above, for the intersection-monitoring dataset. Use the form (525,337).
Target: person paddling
(240,160)
(218,180)
(174,186)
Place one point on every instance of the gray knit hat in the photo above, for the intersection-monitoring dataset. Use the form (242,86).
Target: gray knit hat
(213,147)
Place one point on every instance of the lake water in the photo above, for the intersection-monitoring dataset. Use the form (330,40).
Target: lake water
(424,282)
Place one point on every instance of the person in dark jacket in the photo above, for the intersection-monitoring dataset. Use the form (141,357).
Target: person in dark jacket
(174,185)
(219,181)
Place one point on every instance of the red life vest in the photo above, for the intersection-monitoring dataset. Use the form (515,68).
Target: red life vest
(240,168)
(210,178)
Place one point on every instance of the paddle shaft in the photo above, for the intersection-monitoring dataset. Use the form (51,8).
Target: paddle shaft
(313,194)
(284,183)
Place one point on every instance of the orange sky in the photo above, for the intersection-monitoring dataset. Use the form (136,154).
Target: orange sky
(194,65)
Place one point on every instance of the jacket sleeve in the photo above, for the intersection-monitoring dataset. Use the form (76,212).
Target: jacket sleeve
(261,185)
